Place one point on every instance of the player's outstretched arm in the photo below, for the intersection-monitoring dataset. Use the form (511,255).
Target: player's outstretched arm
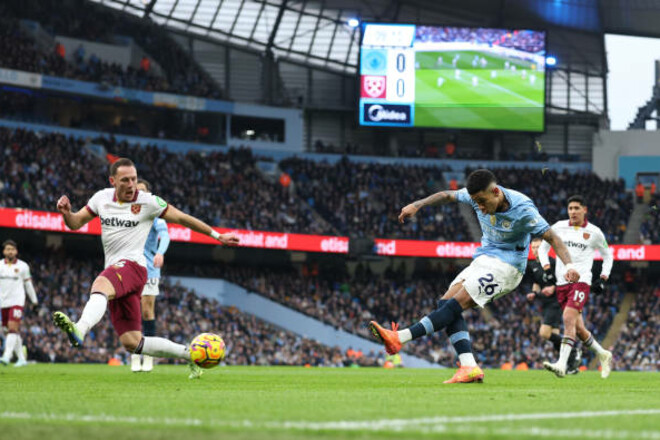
(173,215)
(561,250)
(73,220)
(439,198)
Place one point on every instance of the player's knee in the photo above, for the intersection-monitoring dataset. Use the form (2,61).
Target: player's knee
(544,332)
(130,345)
(131,340)
(103,285)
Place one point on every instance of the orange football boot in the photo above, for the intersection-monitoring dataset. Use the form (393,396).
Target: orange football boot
(467,375)
(390,338)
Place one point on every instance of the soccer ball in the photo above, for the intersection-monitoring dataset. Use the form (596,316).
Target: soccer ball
(207,350)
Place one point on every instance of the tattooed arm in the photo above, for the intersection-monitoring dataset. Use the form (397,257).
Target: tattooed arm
(439,198)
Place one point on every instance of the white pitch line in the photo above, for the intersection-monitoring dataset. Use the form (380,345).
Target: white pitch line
(427,424)
(376,425)
(536,431)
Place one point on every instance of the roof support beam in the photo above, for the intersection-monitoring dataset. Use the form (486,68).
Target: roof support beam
(276,27)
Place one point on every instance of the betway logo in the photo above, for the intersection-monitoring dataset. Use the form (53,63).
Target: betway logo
(117,222)
(573,244)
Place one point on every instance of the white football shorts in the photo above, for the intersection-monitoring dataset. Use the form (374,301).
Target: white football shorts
(487,278)
(151,288)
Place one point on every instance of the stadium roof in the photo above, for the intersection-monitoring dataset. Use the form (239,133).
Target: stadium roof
(317,31)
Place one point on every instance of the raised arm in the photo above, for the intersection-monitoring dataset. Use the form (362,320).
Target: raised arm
(74,220)
(561,250)
(173,215)
(439,198)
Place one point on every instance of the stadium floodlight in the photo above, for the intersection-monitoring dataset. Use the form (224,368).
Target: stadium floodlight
(353,22)
(550,60)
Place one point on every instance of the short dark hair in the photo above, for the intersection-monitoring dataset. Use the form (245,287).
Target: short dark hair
(121,162)
(536,238)
(576,198)
(146,183)
(9,243)
(479,180)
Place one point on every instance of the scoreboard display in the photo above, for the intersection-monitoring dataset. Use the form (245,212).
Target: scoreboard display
(453,77)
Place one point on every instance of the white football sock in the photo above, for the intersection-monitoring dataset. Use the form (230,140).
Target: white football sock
(18,348)
(594,346)
(164,348)
(92,313)
(565,351)
(405,335)
(467,360)
(10,343)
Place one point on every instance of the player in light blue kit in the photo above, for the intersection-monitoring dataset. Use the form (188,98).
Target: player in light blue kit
(154,250)
(508,219)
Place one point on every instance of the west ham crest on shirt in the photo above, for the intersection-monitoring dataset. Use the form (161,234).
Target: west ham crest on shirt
(586,235)
(135,208)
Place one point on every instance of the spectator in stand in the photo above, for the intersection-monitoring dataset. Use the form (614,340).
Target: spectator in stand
(145,64)
(639,192)
(60,51)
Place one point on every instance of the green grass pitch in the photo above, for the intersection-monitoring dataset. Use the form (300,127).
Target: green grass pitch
(507,101)
(101,402)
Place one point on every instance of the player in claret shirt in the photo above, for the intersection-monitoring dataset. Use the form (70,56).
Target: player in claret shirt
(15,283)
(582,239)
(127,216)
(508,219)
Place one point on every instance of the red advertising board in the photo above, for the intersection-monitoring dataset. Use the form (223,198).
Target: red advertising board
(51,221)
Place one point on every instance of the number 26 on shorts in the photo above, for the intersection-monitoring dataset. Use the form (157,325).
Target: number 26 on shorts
(489,289)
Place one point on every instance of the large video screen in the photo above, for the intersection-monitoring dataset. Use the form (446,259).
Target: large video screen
(453,77)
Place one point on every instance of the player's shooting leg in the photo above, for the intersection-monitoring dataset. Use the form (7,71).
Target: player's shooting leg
(456,300)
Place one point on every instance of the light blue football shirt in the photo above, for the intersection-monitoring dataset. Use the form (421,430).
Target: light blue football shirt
(506,235)
(157,243)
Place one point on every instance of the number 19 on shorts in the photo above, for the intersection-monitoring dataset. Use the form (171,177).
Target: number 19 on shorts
(401,76)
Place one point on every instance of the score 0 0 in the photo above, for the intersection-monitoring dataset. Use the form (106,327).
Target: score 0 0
(401,76)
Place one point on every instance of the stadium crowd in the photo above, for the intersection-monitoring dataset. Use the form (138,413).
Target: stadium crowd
(216,187)
(638,346)
(63,282)
(80,19)
(362,199)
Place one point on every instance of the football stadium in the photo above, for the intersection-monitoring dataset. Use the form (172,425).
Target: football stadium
(297,219)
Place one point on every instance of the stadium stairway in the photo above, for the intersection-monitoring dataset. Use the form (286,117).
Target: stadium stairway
(229,294)
(640,210)
(618,322)
(471,220)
